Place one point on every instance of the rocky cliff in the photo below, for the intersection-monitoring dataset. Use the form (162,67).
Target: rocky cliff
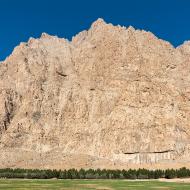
(112,97)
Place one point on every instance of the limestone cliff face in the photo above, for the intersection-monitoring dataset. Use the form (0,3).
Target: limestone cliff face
(113,97)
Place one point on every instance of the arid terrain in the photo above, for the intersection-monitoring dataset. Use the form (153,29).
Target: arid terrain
(113,97)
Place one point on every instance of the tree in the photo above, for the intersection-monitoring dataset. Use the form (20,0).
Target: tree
(170,174)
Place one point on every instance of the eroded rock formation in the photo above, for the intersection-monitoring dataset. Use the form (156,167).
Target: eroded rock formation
(113,97)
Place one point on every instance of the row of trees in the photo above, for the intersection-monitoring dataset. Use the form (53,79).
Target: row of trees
(94,174)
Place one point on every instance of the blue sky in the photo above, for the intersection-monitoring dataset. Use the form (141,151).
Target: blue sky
(21,19)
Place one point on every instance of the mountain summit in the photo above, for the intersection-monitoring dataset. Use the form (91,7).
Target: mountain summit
(113,97)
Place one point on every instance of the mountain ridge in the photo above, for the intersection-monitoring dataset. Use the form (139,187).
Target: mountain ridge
(101,21)
(110,98)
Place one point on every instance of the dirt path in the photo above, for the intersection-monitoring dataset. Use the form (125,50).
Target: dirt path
(182,180)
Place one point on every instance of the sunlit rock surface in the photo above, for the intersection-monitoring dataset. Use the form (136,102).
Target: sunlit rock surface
(113,97)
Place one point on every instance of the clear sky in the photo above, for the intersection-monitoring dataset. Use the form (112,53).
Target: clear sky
(21,19)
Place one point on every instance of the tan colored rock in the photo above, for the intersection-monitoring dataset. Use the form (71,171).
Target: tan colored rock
(113,97)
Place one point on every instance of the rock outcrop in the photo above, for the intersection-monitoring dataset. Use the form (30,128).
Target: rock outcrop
(113,97)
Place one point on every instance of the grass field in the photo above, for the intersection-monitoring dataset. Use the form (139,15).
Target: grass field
(90,185)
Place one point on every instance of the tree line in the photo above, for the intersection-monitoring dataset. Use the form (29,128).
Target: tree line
(94,174)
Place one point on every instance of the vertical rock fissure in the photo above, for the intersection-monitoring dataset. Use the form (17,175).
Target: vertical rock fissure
(9,107)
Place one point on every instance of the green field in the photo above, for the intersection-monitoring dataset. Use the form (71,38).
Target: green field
(89,184)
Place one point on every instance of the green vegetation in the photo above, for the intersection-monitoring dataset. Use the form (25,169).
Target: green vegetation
(94,174)
(20,184)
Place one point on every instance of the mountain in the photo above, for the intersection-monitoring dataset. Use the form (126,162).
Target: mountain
(113,97)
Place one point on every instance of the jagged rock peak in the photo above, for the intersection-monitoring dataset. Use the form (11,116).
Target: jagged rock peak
(48,36)
(185,44)
(184,48)
(131,28)
(45,35)
(99,22)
